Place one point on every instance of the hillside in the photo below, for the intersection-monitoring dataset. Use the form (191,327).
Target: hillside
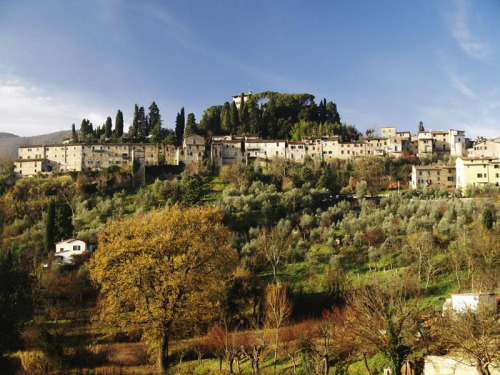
(10,142)
(7,135)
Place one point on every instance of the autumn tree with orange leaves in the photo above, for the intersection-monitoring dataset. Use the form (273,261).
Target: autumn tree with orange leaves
(163,271)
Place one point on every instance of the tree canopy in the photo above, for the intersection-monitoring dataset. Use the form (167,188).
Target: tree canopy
(163,271)
(276,115)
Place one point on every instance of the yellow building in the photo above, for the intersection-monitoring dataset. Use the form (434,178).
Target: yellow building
(477,171)
(437,175)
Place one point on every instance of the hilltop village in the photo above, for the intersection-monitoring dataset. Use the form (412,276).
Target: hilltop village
(476,160)
(267,238)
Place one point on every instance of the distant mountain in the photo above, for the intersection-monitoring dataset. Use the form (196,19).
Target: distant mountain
(10,142)
(7,135)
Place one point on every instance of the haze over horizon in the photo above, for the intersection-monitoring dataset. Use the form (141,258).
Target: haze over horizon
(383,63)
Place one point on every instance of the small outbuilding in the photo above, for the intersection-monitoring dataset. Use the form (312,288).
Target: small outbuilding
(465,301)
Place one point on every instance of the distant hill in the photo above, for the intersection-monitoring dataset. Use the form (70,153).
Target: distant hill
(10,142)
(7,135)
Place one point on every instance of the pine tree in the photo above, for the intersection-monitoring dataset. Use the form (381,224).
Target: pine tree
(180,123)
(49,237)
(332,114)
(119,124)
(86,130)
(191,127)
(108,127)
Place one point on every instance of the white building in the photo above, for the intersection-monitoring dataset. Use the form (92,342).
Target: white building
(65,250)
(469,301)
(237,98)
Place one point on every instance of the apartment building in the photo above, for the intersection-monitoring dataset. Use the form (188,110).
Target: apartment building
(227,151)
(297,151)
(437,175)
(67,157)
(451,142)
(264,150)
(193,149)
(485,148)
(477,171)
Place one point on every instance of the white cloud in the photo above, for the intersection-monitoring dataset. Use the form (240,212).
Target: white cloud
(460,29)
(458,82)
(30,110)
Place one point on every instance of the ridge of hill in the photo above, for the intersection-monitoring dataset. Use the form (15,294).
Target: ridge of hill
(9,145)
(7,135)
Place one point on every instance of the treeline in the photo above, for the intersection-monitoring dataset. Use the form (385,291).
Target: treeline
(268,114)
(274,115)
(145,127)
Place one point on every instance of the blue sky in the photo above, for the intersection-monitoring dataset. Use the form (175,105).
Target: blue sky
(382,62)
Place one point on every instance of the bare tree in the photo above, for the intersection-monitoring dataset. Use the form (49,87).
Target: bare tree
(333,343)
(253,344)
(278,310)
(295,339)
(385,316)
(475,335)
(272,245)
(234,174)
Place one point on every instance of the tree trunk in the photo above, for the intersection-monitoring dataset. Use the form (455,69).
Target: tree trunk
(276,349)
(294,365)
(366,364)
(230,364)
(237,359)
(482,369)
(163,355)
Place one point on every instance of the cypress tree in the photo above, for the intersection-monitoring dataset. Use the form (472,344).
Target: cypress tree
(134,128)
(180,124)
(242,107)
(108,127)
(225,121)
(119,124)
(420,127)
(73,132)
(49,237)
(154,116)
(233,118)
(191,127)
(142,124)
(63,226)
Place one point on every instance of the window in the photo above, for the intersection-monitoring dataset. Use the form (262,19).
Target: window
(61,249)
(479,175)
(76,247)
